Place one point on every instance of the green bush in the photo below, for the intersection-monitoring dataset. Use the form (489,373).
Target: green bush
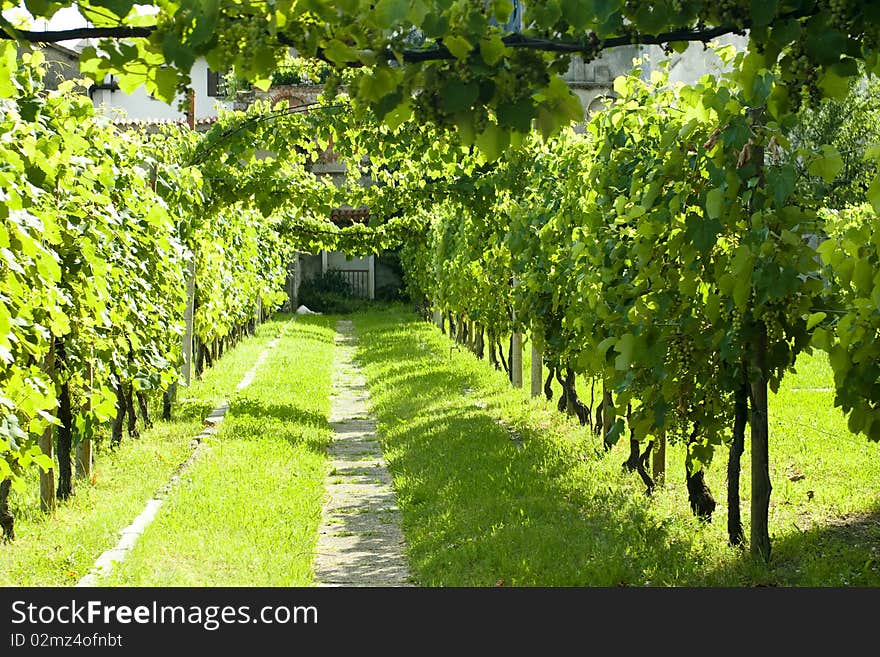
(329,293)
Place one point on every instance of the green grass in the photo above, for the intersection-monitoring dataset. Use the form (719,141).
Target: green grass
(59,550)
(246,512)
(494,486)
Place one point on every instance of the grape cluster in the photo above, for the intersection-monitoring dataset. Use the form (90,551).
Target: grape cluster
(680,352)
(840,13)
(331,85)
(731,12)
(238,38)
(800,73)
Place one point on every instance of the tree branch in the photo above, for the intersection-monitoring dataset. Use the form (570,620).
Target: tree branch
(589,46)
(53,36)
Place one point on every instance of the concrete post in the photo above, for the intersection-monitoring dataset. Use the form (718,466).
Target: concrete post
(537,372)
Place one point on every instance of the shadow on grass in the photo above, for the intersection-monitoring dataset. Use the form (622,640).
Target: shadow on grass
(247,406)
(250,419)
(312,329)
(842,553)
(477,510)
(192,410)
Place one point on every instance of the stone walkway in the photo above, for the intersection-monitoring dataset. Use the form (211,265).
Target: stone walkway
(359,541)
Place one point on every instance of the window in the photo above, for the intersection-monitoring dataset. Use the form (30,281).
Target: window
(216,84)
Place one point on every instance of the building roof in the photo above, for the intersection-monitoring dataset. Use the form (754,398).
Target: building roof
(348,216)
(202,123)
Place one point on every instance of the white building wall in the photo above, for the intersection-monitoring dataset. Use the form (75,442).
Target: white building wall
(337,260)
(140,105)
(695,62)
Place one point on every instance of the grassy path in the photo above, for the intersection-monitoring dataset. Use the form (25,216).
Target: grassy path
(496,488)
(246,513)
(58,551)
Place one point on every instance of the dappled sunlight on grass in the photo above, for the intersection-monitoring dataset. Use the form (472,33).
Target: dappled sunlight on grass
(496,486)
(58,551)
(247,511)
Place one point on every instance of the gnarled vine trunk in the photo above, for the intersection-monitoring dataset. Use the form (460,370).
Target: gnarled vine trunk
(462,337)
(493,357)
(144,408)
(562,404)
(573,404)
(130,412)
(479,343)
(548,387)
(64,436)
(7,520)
(167,399)
(699,495)
(607,416)
(116,429)
(734,515)
(206,354)
(636,462)
(200,358)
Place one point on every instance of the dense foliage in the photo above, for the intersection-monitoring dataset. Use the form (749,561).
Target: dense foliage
(669,253)
(488,68)
(100,232)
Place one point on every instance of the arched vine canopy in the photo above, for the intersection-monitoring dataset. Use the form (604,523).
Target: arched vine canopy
(668,250)
(486,67)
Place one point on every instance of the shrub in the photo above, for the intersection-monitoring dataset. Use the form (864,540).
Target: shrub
(329,293)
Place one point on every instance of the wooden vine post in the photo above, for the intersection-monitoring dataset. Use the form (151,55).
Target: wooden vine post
(537,373)
(188,320)
(47,442)
(760,446)
(760,434)
(658,459)
(516,362)
(190,273)
(734,466)
(84,458)
(516,352)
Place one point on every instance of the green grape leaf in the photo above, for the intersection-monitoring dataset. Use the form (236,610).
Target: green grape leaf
(491,49)
(457,96)
(874,193)
(715,203)
(624,347)
(814,319)
(118,7)
(827,165)
(763,12)
(458,46)
(492,141)
(391,12)
(339,52)
(702,232)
